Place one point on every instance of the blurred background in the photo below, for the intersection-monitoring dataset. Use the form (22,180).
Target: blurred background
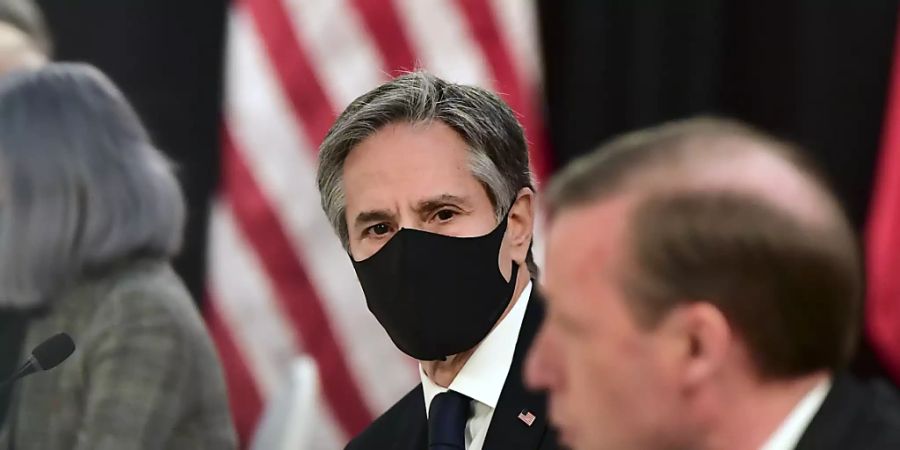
(239,95)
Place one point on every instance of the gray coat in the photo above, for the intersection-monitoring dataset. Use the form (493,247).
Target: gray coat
(145,374)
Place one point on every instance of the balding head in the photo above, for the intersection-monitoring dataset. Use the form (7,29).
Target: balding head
(703,154)
(722,213)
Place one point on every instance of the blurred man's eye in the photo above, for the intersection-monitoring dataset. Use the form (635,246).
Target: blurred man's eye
(568,326)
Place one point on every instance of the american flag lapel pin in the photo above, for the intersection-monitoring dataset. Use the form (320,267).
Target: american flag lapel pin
(527,417)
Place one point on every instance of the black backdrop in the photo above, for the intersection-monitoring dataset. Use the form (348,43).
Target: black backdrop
(814,71)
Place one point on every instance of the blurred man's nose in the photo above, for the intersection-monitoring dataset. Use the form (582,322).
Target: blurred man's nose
(539,368)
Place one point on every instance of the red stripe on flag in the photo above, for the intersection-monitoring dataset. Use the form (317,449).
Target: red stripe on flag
(243,395)
(386,30)
(261,227)
(292,67)
(483,26)
(883,237)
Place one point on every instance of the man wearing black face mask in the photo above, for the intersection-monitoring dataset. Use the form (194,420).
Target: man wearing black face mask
(428,185)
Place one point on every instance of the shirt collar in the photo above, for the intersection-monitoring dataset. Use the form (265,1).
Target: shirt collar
(791,429)
(484,374)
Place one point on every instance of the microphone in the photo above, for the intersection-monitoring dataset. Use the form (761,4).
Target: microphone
(45,356)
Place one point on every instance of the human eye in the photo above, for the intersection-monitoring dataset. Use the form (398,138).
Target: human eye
(568,326)
(444,215)
(378,230)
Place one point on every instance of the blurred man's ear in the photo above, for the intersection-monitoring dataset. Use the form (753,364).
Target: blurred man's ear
(521,224)
(699,339)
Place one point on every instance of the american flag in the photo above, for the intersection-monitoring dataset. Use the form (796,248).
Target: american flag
(280,285)
(527,417)
(883,237)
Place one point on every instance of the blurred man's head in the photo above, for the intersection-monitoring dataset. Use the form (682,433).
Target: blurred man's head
(689,266)
(24,41)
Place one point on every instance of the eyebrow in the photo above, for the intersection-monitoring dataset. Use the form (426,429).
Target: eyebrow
(378,215)
(433,203)
(424,206)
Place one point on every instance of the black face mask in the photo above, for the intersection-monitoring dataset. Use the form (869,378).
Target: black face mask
(437,295)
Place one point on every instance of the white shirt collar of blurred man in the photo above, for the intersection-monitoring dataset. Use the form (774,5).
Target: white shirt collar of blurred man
(484,374)
(794,425)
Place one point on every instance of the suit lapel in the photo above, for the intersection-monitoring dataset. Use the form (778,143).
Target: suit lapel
(507,430)
(412,430)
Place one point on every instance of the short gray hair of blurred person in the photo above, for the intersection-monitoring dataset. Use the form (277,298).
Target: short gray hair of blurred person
(82,188)
(26,16)
(786,273)
(498,153)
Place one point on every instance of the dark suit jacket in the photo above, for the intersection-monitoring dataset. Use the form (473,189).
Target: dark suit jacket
(404,426)
(855,416)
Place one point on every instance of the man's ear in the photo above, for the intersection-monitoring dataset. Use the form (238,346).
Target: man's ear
(520,229)
(700,338)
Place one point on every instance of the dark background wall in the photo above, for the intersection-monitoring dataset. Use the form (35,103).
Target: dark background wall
(814,71)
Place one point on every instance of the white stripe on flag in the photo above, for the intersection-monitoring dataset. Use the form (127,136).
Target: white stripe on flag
(282,161)
(247,305)
(343,55)
(517,20)
(439,33)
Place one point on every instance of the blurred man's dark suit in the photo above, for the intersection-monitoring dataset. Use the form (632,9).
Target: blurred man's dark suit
(857,416)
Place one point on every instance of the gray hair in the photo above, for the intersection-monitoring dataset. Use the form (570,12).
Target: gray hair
(81,186)
(498,152)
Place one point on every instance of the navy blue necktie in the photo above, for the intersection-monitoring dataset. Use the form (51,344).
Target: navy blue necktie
(447,418)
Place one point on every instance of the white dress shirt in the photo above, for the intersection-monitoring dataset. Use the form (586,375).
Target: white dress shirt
(484,374)
(791,429)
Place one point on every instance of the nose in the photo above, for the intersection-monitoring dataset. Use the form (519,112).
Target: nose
(540,365)
(410,220)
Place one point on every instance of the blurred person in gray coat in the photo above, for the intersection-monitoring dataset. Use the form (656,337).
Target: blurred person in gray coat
(90,216)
